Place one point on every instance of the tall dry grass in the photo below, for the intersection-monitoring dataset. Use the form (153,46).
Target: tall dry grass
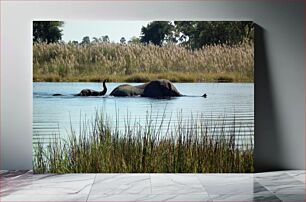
(117,62)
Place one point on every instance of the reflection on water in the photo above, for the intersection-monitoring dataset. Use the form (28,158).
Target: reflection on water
(229,104)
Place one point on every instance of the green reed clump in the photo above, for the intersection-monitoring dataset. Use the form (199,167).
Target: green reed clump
(188,147)
(117,62)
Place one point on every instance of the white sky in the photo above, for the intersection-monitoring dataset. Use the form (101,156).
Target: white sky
(76,30)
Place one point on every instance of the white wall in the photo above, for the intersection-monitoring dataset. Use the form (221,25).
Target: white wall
(279,73)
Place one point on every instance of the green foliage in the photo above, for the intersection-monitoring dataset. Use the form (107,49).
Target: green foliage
(47,31)
(156,32)
(134,40)
(95,40)
(122,40)
(85,40)
(102,39)
(105,39)
(196,34)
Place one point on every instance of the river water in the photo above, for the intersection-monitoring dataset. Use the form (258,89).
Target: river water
(229,103)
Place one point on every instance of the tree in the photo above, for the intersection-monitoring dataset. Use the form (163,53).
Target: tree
(105,39)
(156,32)
(195,34)
(73,42)
(85,40)
(96,40)
(122,40)
(47,31)
(134,40)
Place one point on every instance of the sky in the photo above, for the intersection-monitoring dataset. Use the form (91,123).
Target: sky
(76,30)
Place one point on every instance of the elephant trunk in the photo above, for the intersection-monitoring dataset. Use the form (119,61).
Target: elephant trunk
(104,88)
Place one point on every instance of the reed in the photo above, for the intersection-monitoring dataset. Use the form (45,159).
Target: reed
(187,147)
(138,62)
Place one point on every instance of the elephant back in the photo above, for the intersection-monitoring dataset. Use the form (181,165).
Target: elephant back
(126,90)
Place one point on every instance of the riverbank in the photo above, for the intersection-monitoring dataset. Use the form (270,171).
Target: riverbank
(145,77)
(141,63)
(100,146)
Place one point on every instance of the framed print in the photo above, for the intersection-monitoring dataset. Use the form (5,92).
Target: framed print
(143,96)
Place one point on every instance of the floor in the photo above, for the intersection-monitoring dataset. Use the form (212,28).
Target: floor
(270,186)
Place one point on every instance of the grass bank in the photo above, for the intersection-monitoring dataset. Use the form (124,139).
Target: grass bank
(187,147)
(141,63)
(145,77)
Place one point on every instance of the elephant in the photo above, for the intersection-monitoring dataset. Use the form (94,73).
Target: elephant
(155,88)
(160,88)
(90,92)
(128,90)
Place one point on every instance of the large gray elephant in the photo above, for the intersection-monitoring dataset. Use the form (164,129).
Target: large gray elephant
(155,88)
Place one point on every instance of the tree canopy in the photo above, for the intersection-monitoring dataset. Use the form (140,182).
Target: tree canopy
(195,34)
(134,40)
(85,40)
(122,40)
(47,31)
(189,34)
(156,32)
